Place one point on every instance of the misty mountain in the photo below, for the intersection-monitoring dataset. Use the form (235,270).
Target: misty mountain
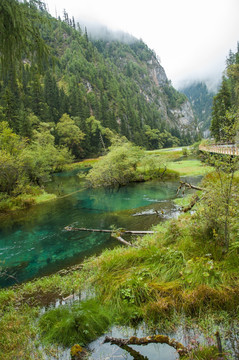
(109,84)
(201,99)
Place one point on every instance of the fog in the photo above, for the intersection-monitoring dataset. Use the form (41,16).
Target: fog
(191,37)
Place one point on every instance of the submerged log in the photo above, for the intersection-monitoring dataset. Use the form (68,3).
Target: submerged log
(135,354)
(122,240)
(121,231)
(115,233)
(160,339)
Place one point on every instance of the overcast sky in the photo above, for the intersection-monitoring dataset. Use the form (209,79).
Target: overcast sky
(191,37)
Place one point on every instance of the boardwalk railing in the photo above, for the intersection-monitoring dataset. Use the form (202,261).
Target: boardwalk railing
(221,149)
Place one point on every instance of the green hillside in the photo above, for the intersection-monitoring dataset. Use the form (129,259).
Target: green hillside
(122,85)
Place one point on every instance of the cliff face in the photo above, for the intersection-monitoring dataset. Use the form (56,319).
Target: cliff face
(185,117)
(201,100)
(142,67)
(119,82)
(157,72)
(180,113)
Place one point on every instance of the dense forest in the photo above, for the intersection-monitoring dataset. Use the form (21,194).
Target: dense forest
(114,84)
(224,127)
(65,96)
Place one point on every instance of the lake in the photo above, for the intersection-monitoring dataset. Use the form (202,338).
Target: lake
(33,242)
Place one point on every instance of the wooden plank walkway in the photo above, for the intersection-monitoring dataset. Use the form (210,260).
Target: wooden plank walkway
(221,149)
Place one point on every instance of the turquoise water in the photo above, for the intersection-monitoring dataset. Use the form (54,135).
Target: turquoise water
(33,242)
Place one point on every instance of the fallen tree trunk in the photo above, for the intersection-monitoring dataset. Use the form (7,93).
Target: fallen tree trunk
(191,205)
(70,228)
(190,186)
(122,240)
(135,354)
(160,339)
(115,233)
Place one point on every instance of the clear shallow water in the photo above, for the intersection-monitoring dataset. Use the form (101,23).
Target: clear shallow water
(33,242)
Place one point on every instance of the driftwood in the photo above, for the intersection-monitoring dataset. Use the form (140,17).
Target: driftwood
(135,354)
(160,339)
(190,186)
(192,203)
(122,240)
(114,233)
(183,185)
(121,231)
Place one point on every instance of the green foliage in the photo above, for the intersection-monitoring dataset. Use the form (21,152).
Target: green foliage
(20,33)
(157,139)
(117,168)
(89,81)
(189,167)
(24,165)
(202,352)
(221,106)
(185,151)
(9,141)
(18,336)
(80,323)
(69,134)
(224,125)
(175,98)
(219,203)
(151,167)
(201,100)
(201,270)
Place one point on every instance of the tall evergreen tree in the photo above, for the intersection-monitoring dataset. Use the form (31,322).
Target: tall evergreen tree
(221,105)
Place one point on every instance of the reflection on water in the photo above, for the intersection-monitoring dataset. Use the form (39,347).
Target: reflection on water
(33,242)
(190,336)
(151,351)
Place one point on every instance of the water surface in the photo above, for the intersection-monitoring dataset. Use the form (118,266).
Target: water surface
(33,242)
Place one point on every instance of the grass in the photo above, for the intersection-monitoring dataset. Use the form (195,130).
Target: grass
(87,163)
(80,323)
(166,273)
(189,167)
(34,196)
(44,197)
(177,270)
(169,154)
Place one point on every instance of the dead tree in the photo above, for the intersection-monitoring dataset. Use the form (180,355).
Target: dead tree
(159,339)
(183,185)
(114,233)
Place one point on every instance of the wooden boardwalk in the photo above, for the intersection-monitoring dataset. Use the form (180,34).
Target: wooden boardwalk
(221,149)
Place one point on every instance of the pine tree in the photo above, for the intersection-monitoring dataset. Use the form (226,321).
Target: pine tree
(20,34)
(221,104)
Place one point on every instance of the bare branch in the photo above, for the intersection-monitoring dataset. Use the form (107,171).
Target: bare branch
(160,339)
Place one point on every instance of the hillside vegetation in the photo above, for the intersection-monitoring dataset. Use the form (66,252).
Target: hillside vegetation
(79,98)
(101,95)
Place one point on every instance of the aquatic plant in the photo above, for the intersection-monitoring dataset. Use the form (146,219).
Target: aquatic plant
(79,323)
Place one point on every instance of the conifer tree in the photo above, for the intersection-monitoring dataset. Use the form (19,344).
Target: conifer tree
(20,33)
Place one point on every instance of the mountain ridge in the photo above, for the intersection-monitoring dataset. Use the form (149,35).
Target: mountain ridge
(122,85)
